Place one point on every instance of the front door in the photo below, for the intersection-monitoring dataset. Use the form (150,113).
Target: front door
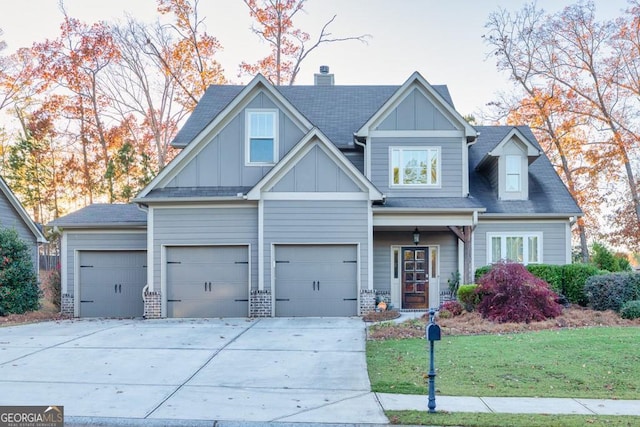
(415,277)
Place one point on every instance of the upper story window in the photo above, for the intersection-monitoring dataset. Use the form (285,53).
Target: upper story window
(514,173)
(261,146)
(415,166)
(525,248)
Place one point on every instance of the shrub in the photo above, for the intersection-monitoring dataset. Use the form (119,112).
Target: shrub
(574,278)
(52,288)
(604,259)
(552,274)
(454,283)
(509,293)
(18,282)
(468,297)
(450,309)
(630,310)
(481,271)
(611,291)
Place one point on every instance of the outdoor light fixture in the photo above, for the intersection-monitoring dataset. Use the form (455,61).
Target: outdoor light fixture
(416,236)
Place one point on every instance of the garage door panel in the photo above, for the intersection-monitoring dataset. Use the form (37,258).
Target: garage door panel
(207,281)
(316,280)
(111,283)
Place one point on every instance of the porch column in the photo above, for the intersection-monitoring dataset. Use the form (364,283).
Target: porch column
(464,234)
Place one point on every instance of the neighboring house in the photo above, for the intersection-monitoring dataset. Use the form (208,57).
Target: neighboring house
(13,215)
(318,201)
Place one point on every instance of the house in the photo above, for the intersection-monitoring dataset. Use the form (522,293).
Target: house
(13,215)
(318,201)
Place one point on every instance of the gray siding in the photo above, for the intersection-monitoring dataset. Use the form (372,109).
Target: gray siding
(316,172)
(9,218)
(309,221)
(205,226)
(222,161)
(554,239)
(105,241)
(416,112)
(450,167)
(383,240)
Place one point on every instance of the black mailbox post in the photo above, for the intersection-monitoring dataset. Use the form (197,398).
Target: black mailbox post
(432,335)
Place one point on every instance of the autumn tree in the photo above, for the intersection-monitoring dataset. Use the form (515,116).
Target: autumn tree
(289,45)
(190,60)
(567,59)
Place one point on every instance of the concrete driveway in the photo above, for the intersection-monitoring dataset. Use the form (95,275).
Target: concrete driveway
(286,370)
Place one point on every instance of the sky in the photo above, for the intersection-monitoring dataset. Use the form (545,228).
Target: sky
(442,39)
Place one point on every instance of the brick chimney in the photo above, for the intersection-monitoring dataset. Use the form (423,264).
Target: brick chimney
(323,78)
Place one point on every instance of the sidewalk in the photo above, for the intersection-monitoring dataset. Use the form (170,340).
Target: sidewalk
(513,405)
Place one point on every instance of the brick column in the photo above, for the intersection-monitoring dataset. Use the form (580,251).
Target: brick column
(367,301)
(66,304)
(152,305)
(260,303)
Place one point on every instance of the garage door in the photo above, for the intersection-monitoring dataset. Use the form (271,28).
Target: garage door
(208,281)
(316,280)
(111,283)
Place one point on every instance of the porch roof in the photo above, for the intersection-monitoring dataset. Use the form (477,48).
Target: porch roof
(439,204)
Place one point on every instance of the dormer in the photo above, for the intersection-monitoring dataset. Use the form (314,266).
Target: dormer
(507,166)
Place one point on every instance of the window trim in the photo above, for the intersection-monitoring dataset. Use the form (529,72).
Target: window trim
(428,149)
(525,246)
(247,138)
(507,172)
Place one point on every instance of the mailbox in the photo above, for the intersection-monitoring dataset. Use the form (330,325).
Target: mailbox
(433,332)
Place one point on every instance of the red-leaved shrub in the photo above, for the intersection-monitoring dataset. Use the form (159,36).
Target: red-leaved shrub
(451,309)
(509,293)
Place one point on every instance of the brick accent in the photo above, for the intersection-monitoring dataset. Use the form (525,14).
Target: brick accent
(152,305)
(260,303)
(66,304)
(367,301)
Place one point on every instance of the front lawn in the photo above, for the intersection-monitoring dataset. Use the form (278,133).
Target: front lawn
(584,363)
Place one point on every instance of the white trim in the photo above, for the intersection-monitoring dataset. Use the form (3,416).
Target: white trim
(519,173)
(64,271)
(274,113)
(99,231)
(525,235)
(567,249)
(369,247)
(176,205)
(429,149)
(396,283)
(460,246)
(530,219)
(416,134)
(465,169)
(422,220)
(150,249)
(314,196)
(261,245)
(367,158)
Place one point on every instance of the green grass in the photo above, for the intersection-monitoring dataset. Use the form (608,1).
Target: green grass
(512,420)
(584,363)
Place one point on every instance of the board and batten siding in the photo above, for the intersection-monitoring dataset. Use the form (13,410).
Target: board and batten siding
(205,226)
(450,166)
(315,222)
(222,161)
(555,238)
(134,240)
(416,112)
(382,262)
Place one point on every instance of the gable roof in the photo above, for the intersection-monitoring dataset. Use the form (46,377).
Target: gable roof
(337,111)
(259,83)
(416,80)
(298,151)
(547,193)
(533,151)
(103,215)
(24,216)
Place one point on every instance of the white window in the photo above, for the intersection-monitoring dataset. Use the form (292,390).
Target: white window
(261,146)
(419,166)
(525,248)
(514,173)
